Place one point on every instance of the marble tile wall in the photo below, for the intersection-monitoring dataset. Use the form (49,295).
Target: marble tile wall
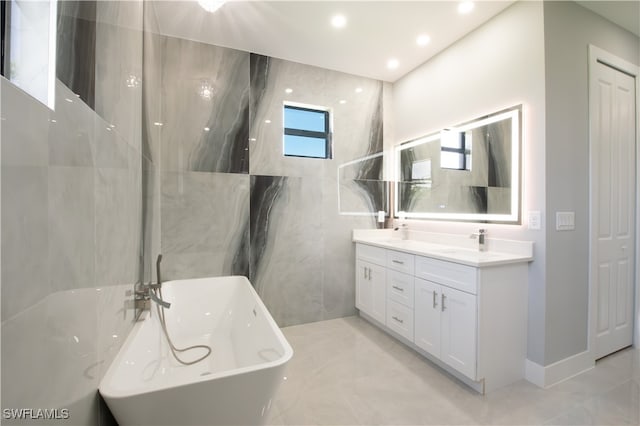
(229,202)
(71,222)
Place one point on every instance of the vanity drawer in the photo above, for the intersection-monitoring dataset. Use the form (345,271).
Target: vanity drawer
(400,288)
(400,319)
(399,261)
(461,277)
(371,254)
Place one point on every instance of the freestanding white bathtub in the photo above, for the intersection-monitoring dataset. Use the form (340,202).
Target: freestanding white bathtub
(145,385)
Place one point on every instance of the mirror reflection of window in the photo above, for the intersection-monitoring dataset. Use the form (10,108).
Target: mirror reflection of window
(455,149)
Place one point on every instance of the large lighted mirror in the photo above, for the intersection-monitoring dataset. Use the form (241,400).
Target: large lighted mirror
(466,172)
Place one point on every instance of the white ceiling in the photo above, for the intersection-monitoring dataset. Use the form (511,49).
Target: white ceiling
(300,31)
(376,31)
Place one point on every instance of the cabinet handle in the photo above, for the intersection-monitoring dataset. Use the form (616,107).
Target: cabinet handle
(442,303)
(398,262)
(398,319)
(435,300)
(398,288)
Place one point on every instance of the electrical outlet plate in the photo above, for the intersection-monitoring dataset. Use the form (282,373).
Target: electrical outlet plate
(534,220)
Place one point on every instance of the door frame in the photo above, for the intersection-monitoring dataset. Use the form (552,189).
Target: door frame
(598,55)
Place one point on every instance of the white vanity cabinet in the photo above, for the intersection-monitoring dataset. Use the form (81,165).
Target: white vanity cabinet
(371,281)
(400,293)
(469,320)
(446,325)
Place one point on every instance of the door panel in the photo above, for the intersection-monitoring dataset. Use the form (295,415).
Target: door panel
(427,316)
(459,331)
(614,193)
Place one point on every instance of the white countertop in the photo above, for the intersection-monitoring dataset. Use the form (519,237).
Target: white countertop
(450,247)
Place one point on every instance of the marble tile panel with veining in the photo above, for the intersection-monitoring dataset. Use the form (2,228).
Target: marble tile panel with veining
(76,48)
(203,215)
(71,227)
(205,107)
(287,247)
(25,238)
(72,137)
(24,142)
(119,76)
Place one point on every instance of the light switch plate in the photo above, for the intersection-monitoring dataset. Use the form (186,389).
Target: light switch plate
(534,220)
(565,221)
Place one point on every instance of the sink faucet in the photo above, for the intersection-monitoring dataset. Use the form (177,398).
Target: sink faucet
(480,235)
(404,230)
(146,292)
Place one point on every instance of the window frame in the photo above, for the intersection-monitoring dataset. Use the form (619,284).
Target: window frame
(290,131)
(463,152)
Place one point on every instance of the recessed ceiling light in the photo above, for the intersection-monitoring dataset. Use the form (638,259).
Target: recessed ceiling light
(392,63)
(358,89)
(423,40)
(211,5)
(465,7)
(339,21)
(288,90)
(343,101)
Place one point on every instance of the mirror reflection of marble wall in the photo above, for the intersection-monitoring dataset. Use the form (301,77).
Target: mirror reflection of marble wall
(482,187)
(361,187)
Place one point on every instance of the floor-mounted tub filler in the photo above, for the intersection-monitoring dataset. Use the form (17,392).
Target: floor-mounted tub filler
(146,385)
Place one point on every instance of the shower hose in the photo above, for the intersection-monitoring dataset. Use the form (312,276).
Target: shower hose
(163,323)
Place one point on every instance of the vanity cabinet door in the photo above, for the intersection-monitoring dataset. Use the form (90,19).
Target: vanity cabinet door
(427,316)
(371,292)
(459,330)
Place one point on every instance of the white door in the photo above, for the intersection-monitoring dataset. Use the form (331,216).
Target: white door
(613,116)
(427,316)
(458,331)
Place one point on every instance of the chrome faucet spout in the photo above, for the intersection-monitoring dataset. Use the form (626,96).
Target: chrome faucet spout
(481,236)
(159,301)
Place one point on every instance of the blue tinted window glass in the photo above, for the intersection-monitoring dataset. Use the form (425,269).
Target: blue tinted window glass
(304,119)
(302,146)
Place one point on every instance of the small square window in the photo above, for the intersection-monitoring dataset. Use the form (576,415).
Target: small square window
(306,132)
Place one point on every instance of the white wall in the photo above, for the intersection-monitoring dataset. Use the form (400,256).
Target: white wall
(569,29)
(499,65)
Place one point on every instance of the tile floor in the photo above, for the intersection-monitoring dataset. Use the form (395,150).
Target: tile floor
(347,372)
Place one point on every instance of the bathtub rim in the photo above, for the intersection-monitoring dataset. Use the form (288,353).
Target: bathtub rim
(107,390)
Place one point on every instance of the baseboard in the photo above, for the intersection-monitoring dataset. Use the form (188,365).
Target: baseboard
(560,371)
